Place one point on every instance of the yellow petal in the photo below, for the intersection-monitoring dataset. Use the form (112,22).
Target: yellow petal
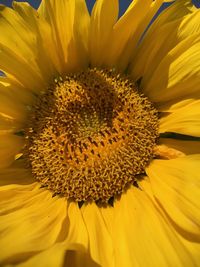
(127,33)
(31,220)
(43,48)
(130,49)
(12,63)
(77,258)
(10,145)
(104,15)
(16,174)
(184,146)
(54,256)
(138,229)
(14,99)
(8,124)
(77,241)
(13,105)
(175,184)
(60,255)
(183,120)
(191,247)
(9,86)
(177,76)
(69,21)
(22,39)
(100,243)
(124,30)
(77,232)
(168,30)
(170,37)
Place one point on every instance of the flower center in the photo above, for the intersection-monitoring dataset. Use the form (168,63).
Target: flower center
(90,135)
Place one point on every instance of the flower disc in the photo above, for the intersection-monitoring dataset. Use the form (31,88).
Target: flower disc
(90,135)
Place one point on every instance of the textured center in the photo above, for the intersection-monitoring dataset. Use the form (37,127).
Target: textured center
(90,136)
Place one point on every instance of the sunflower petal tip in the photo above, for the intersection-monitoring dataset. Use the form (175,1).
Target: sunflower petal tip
(18,156)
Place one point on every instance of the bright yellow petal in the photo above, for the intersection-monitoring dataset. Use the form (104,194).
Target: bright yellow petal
(69,21)
(193,248)
(31,220)
(165,33)
(176,184)
(100,243)
(77,232)
(139,229)
(127,32)
(183,120)
(10,145)
(184,146)
(23,39)
(170,38)
(177,76)
(57,221)
(190,245)
(130,51)
(124,30)
(104,15)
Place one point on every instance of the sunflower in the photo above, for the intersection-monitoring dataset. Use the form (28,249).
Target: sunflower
(99,135)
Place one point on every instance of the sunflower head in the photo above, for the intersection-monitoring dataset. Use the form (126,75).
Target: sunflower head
(90,135)
(113,137)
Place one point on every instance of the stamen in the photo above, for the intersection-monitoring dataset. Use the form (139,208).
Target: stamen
(90,135)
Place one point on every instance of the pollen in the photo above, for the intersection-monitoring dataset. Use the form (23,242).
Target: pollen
(90,135)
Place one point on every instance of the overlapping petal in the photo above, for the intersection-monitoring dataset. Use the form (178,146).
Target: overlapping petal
(177,192)
(54,256)
(101,247)
(174,76)
(69,22)
(183,118)
(187,147)
(31,218)
(138,228)
(24,46)
(10,146)
(16,174)
(60,255)
(130,48)
(129,28)
(104,16)
(188,243)
(172,26)
(14,102)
